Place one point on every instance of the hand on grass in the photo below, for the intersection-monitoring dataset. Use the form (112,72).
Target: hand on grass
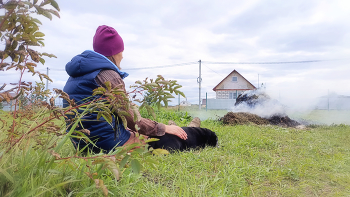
(176,130)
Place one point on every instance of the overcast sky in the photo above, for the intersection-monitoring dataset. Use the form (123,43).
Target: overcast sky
(160,33)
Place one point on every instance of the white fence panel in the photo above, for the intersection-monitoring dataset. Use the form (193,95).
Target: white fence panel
(220,103)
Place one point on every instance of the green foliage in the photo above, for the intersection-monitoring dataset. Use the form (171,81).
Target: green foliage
(32,95)
(157,92)
(43,134)
(164,115)
(20,33)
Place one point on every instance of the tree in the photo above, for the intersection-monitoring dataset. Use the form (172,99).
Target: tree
(20,32)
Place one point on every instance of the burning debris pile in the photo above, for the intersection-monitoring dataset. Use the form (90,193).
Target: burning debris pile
(252,98)
(255,107)
(243,118)
(283,121)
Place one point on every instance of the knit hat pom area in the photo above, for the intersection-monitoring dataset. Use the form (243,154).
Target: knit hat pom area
(107,41)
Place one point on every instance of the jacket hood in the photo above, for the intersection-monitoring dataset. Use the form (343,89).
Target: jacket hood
(90,61)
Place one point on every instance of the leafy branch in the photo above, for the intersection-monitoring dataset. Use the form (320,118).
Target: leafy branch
(157,92)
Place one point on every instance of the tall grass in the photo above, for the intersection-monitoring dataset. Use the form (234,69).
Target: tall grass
(249,161)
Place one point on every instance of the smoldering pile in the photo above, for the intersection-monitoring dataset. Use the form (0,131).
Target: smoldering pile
(256,107)
(244,118)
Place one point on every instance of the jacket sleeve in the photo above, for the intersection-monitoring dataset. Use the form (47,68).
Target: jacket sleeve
(146,126)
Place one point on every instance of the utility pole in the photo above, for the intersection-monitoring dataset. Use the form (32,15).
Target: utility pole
(199,80)
(178,109)
(328,99)
(206,101)
(258,81)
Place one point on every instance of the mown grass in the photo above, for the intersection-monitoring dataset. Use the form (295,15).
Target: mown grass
(249,161)
(256,161)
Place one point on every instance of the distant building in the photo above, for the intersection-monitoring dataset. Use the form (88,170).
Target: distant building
(232,85)
(333,102)
(204,101)
(228,90)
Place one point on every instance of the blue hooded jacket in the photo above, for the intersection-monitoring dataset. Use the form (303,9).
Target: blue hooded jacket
(83,70)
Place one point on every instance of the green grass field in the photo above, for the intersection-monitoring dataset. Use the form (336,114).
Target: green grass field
(249,161)
(255,161)
(311,117)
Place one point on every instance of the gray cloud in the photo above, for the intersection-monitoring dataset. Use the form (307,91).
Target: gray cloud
(158,33)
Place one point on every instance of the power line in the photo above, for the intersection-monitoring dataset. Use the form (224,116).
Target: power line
(173,65)
(291,62)
(208,62)
(212,70)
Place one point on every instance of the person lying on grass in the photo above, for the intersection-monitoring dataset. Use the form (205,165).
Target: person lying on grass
(92,69)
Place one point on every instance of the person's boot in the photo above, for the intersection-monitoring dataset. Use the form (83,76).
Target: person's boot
(196,122)
(171,122)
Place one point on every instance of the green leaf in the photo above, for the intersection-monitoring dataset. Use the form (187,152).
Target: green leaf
(55,5)
(46,14)
(135,166)
(153,84)
(48,55)
(107,117)
(106,109)
(151,140)
(46,77)
(10,5)
(114,169)
(131,146)
(125,123)
(36,21)
(124,160)
(99,114)
(14,45)
(7,175)
(99,90)
(39,34)
(54,12)
(42,61)
(160,151)
(177,87)
(41,42)
(108,85)
(45,2)
(182,94)
(30,68)
(135,115)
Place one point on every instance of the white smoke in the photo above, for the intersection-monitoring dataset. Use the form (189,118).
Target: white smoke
(264,107)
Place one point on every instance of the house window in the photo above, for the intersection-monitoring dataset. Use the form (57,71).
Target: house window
(232,95)
(234,79)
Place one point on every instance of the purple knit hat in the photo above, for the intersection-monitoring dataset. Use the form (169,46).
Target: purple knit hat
(107,41)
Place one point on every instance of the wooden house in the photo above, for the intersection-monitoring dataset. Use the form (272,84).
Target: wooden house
(232,85)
